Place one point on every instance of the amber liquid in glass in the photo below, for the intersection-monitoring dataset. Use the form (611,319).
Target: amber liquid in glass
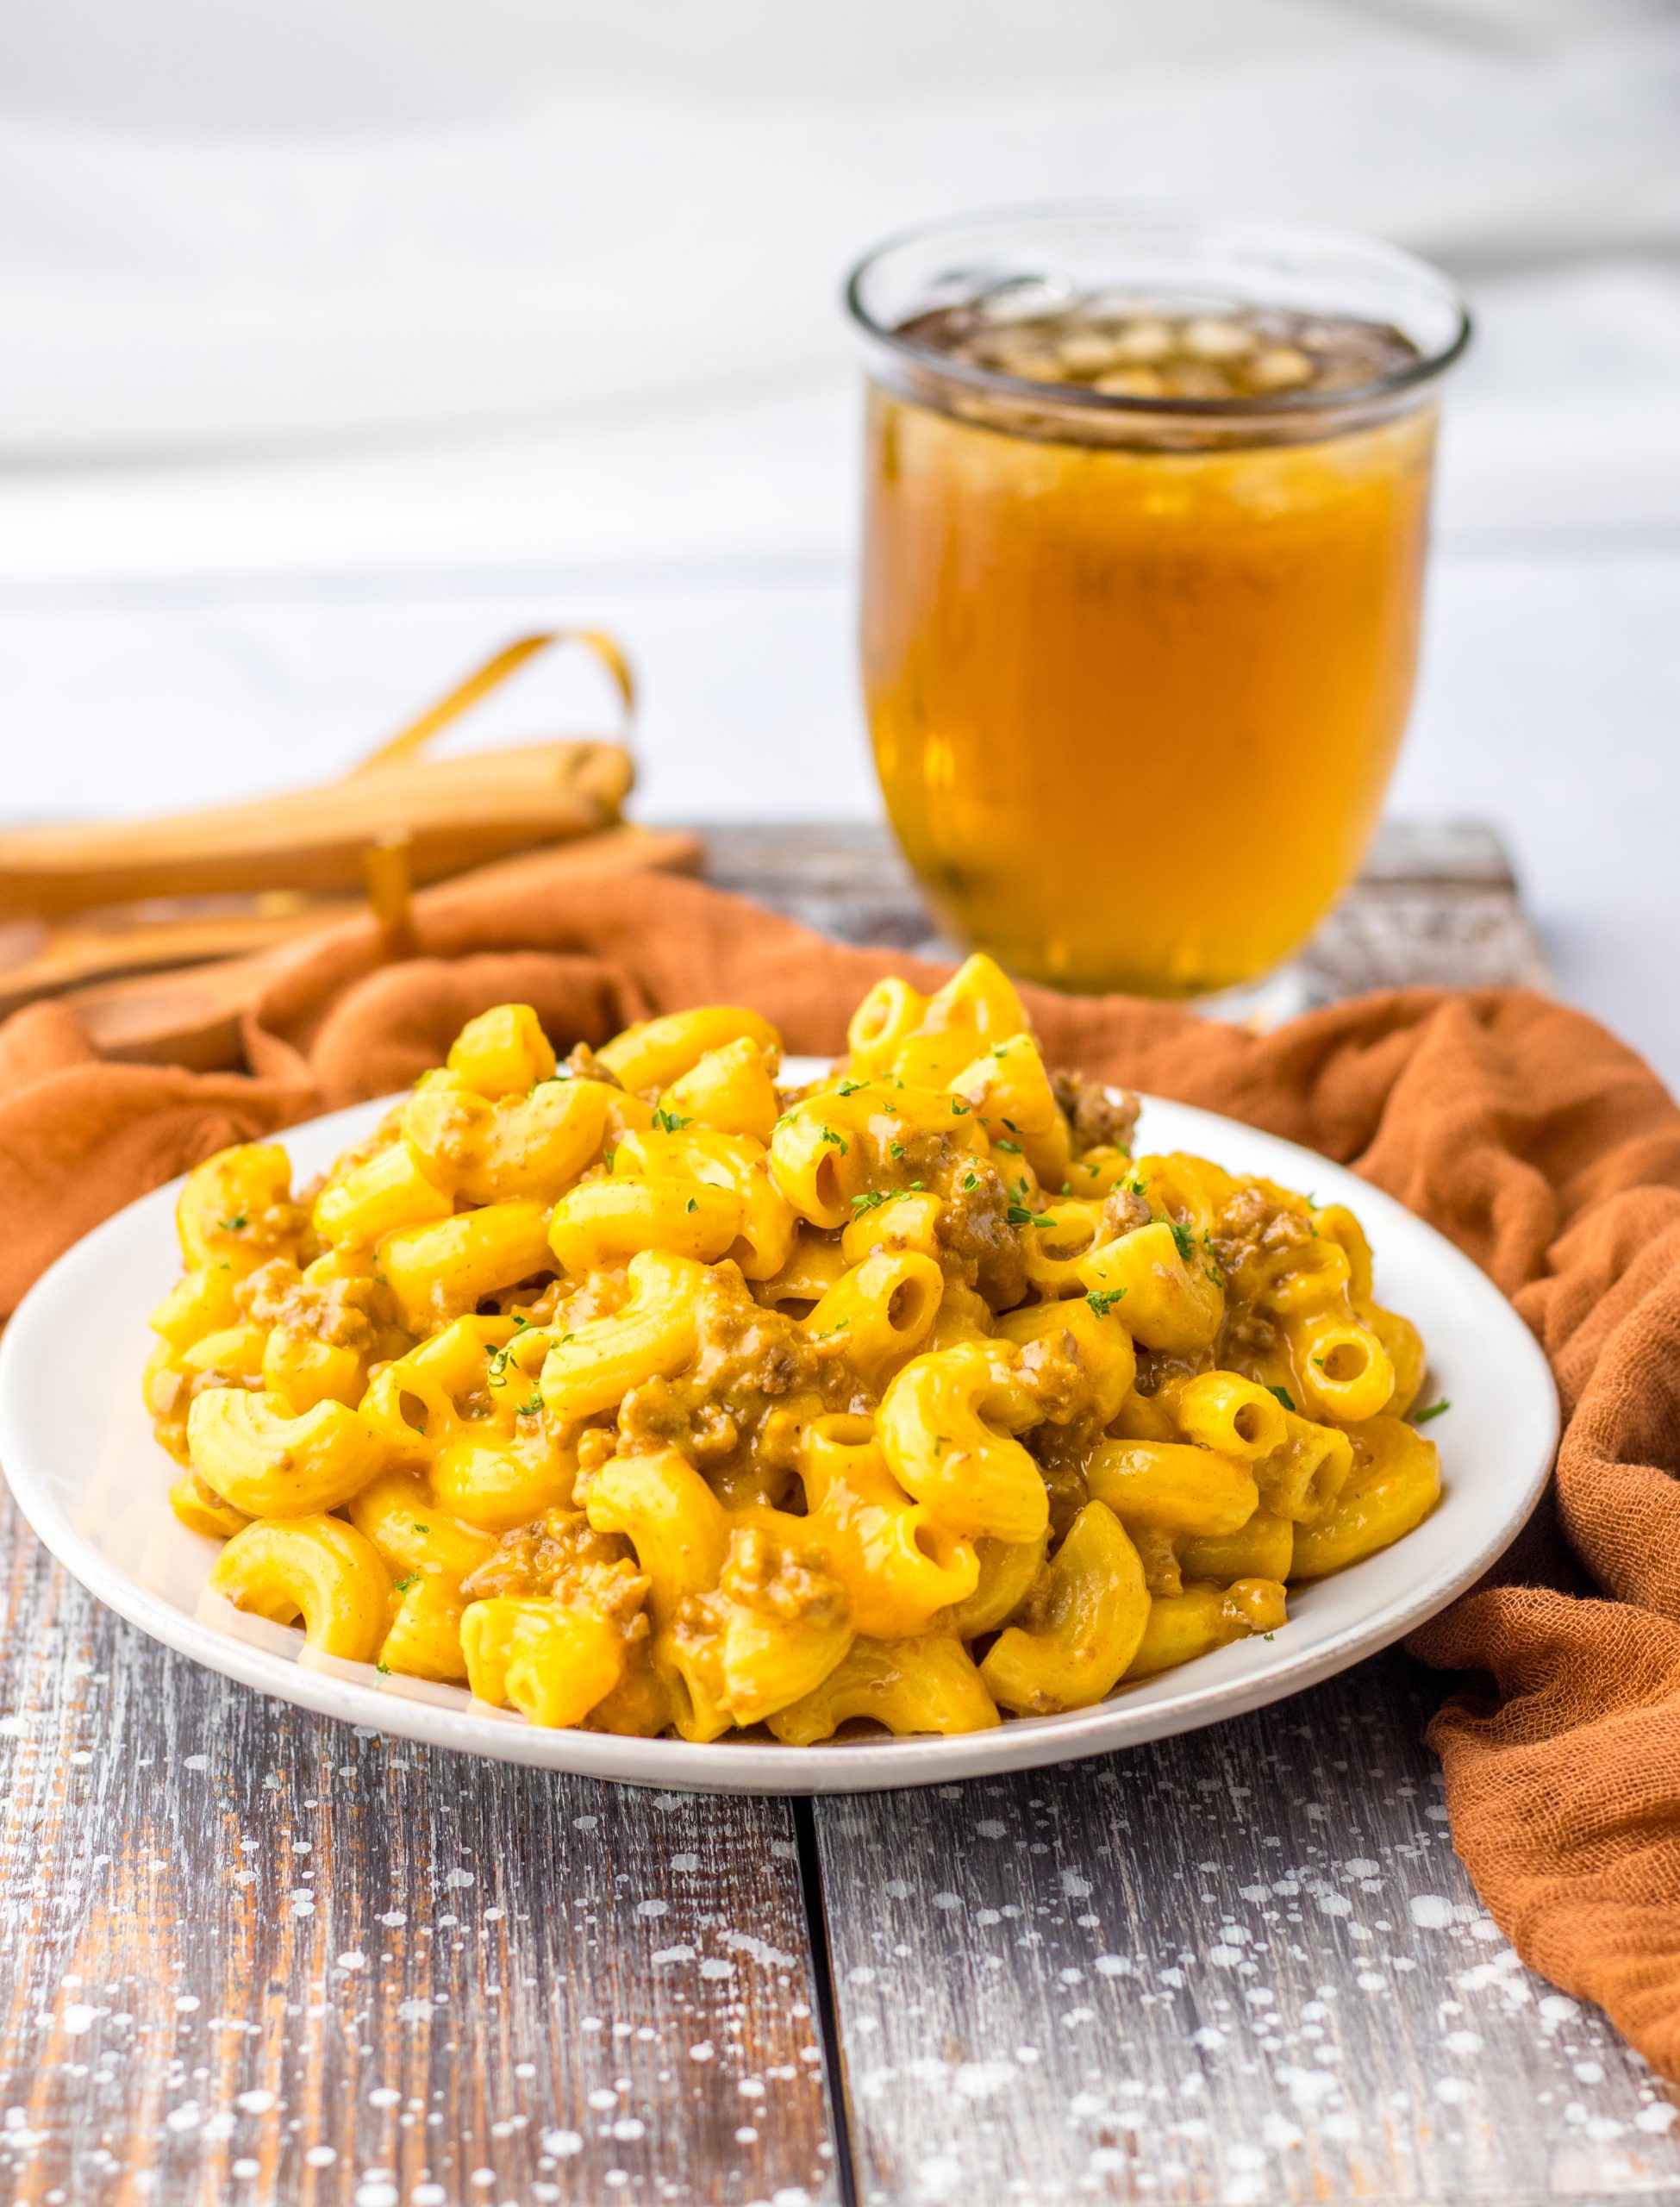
(1134,703)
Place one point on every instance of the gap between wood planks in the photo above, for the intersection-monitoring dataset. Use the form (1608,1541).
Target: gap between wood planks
(816,1930)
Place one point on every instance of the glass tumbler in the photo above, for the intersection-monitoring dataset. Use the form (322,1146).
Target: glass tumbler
(1146,506)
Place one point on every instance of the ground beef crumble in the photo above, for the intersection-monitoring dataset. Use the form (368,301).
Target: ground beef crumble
(1098,1119)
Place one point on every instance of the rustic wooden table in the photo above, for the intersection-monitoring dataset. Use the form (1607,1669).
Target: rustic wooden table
(250,1955)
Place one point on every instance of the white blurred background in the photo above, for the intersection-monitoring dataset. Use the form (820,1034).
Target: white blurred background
(341,338)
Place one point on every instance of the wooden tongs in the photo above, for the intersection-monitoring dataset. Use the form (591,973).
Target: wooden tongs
(218,891)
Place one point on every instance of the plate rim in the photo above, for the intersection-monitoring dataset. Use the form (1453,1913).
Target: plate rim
(353,1694)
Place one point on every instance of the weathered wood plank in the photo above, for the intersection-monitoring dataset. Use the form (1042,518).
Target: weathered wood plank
(250,1955)
(1436,902)
(1243,1966)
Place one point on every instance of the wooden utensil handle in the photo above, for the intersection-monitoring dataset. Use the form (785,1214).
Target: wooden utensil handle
(458,813)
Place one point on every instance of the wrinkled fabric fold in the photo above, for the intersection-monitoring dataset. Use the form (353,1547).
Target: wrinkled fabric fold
(1537,1143)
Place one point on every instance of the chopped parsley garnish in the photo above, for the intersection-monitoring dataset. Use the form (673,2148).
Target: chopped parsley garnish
(850,1087)
(1135,1186)
(694,1202)
(383,1667)
(838,1327)
(1283,1397)
(1184,1240)
(827,1134)
(1011,1125)
(894,1149)
(608,1159)
(1103,1299)
(1422,1417)
(409,1578)
(530,1409)
(1018,1214)
(671,1123)
(236,1224)
(423,1528)
(958,1109)
(918,1185)
(1014,1148)
(871,1199)
(972,1181)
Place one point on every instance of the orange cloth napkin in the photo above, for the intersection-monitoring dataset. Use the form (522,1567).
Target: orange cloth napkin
(1540,1145)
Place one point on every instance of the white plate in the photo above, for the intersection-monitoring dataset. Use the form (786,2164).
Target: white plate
(76,1447)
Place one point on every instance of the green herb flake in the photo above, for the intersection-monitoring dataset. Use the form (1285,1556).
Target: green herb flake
(850,1087)
(1018,1214)
(1422,1417)
(1103,1299)
(1283,1397)
(424,1530)
(958,1109)
(383,1667)
(972,1181)
(671,1123)
(409,1578)
(694,1202)
(1014,1148)
(530,1409)
(871,1199)
(894,1149)
(1183,1240)
(236,1224)
(827,1134)
(918,1185)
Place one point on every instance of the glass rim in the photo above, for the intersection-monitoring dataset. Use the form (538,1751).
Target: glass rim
(1081,398)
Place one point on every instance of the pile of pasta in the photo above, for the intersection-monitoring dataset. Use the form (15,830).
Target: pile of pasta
(636,1393)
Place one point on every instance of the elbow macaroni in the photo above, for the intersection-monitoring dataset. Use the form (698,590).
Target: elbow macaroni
(630,1393)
